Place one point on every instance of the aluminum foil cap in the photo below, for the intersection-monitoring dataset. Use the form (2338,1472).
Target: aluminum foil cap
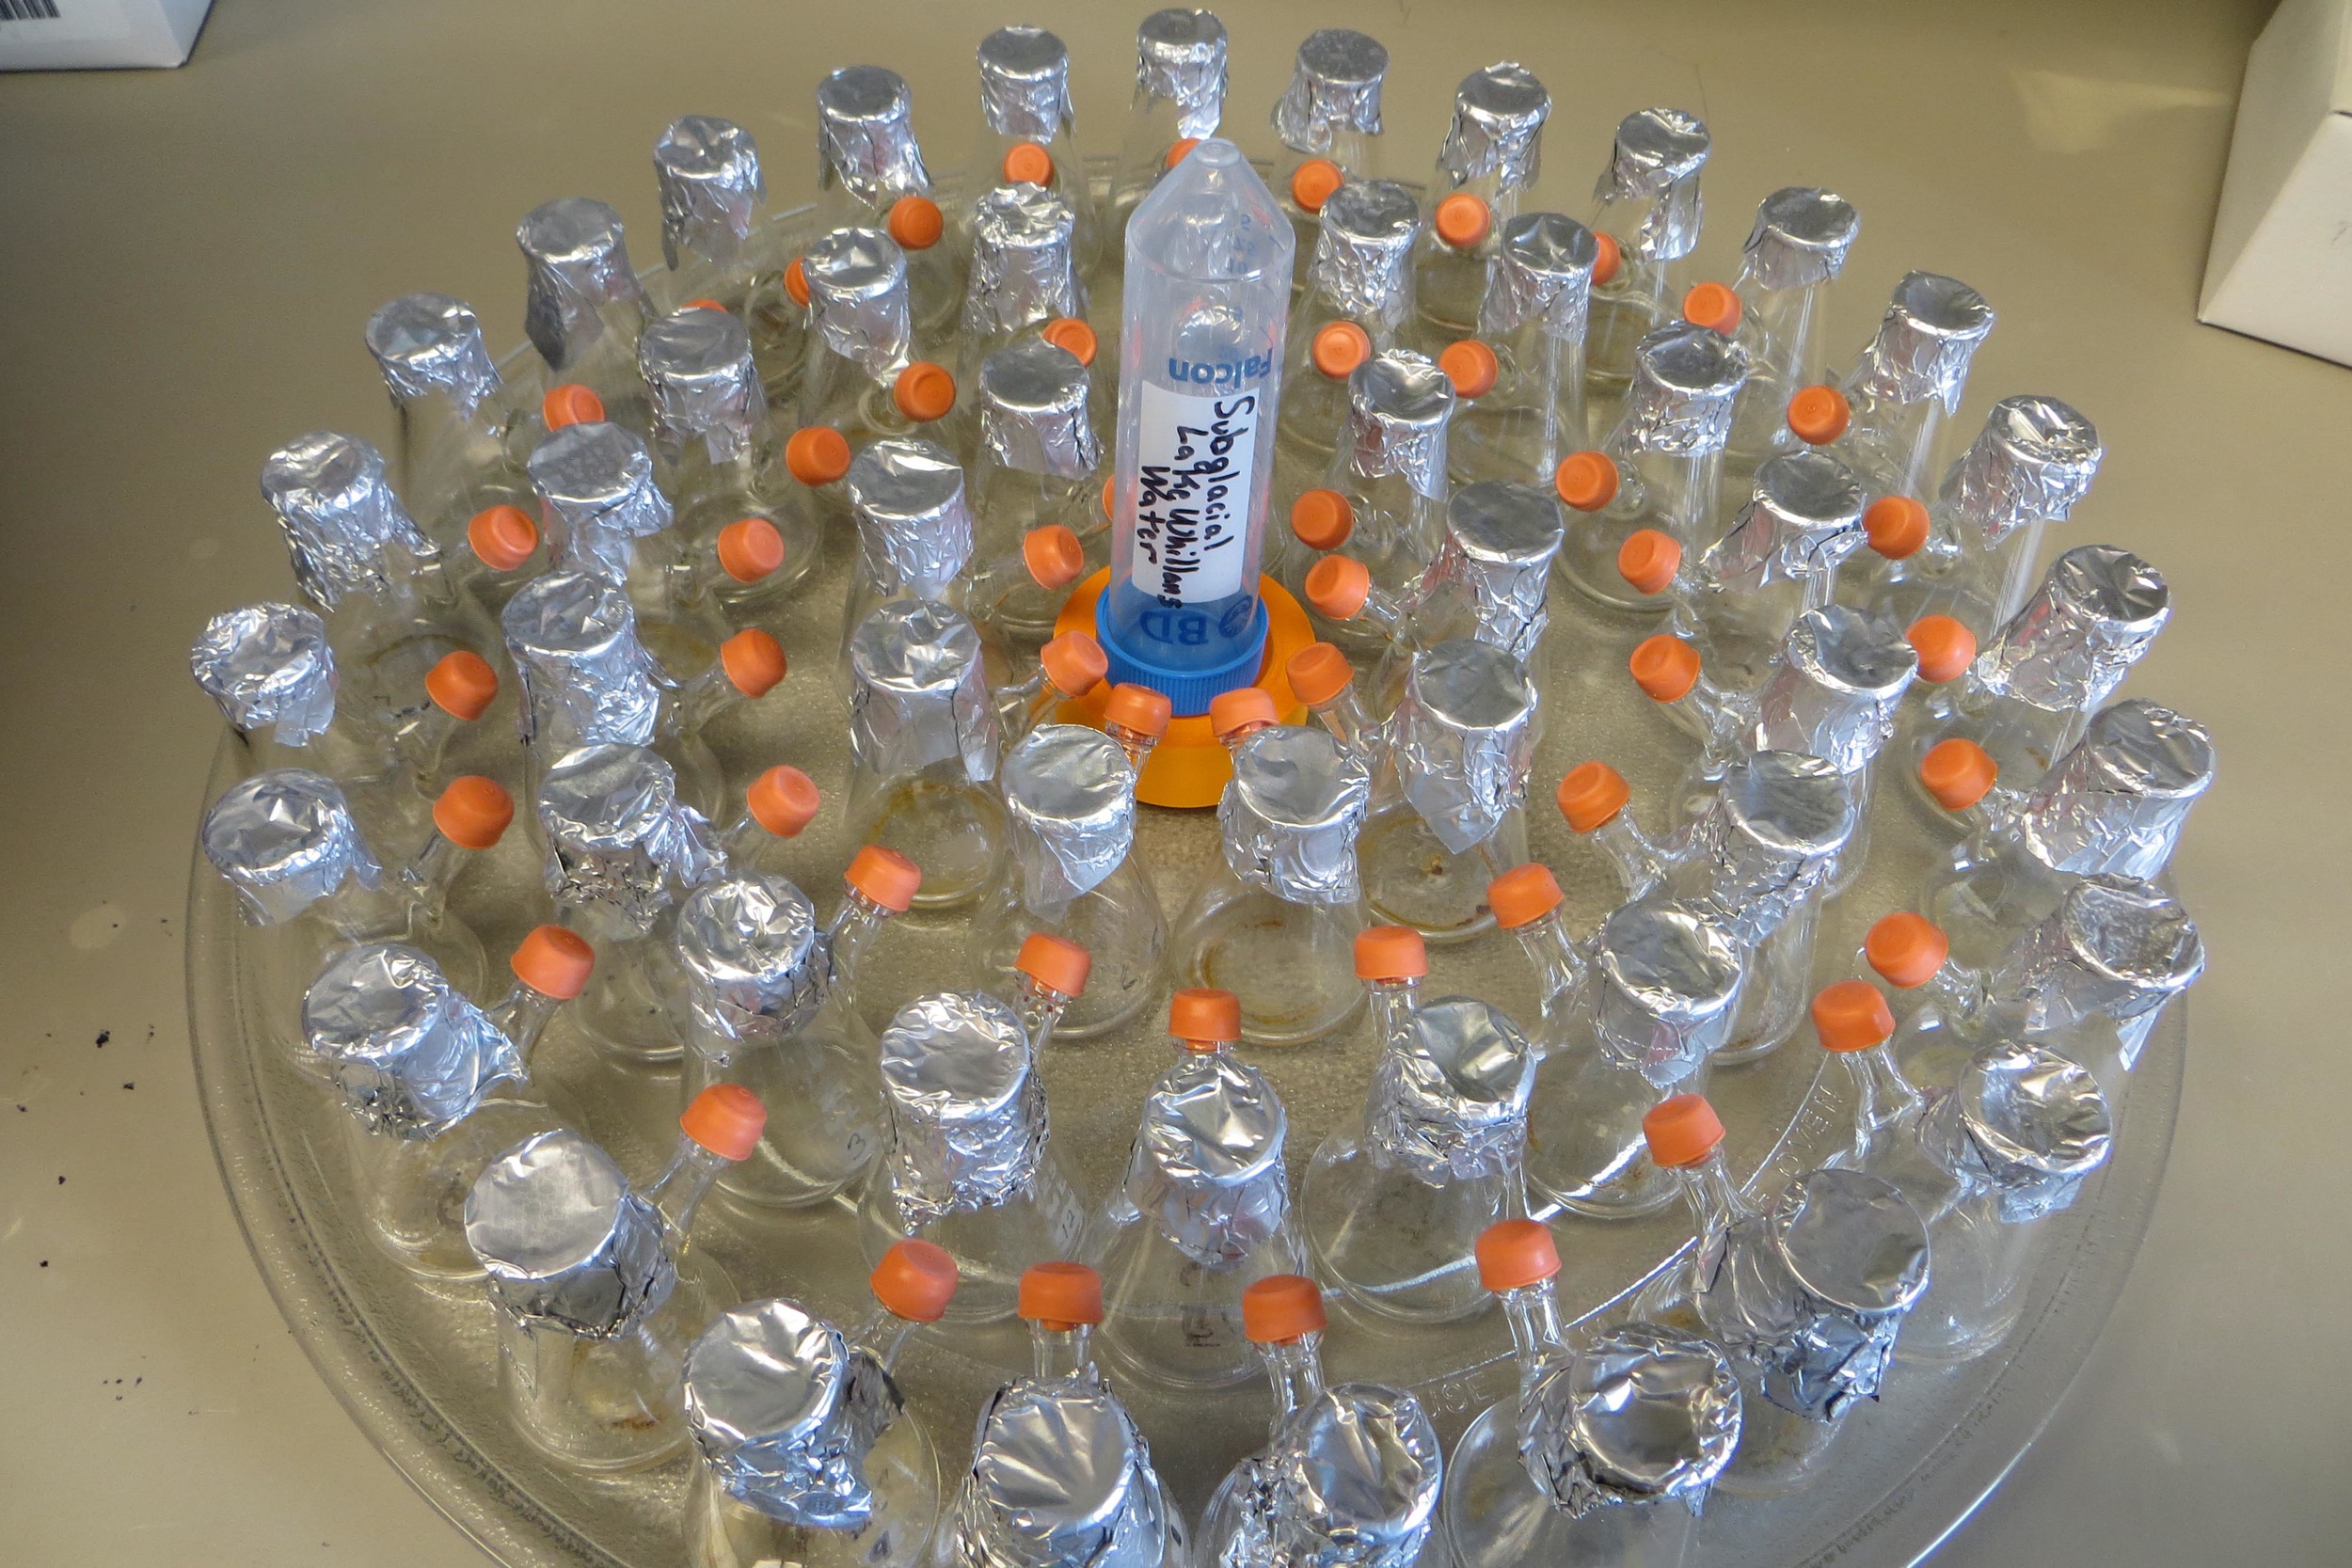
(1449,1096)
(1463,737)
(427,343)
(1398,407)
(866,135)
(1541,272)
(596,483)
(1060,1478)
(1353,1481)
(2116,948)
(1931,331)
(618,835)
(338,513)
(1498,128)
(1024,83)
(857,297)
(1801,237)
(1638,1414)
(918,695)
(708,171)
(1363,262)
(1835,690)
(967,1114)
(1070,792)
(411,1056)
(285,840)
(756,967)
(1207,1162)
(1769,838)
(1666,989)
(578,263)
(1657,159)
(1803,519)
(783,1410)
(2117,802)
(1024,271)
(2024,1122)
(1499,545)
(2034,459)
(1335,88)
(1685,379)
(1033,411)
(698,366)
(587,678)
(2070,645)
(914,523)
(269,667)
(1289,817)
(564,1241)
(1180,57)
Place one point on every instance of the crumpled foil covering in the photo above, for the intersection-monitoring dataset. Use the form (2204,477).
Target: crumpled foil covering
(918,694)
(1463,737)
(285,839)
(1802,520)
(857,297)
(1033,411)
(587,678)
(426,343)
(756,964)
(1767,841)
(1640,1414)
(565,1243)
(1398,407)
(1023,267)
(1070,795)
(1499,545)
(1335,86)
(1352,1482)
(1060,1478)
(1801,237)
(1658,158)
(2034,459)
(866,135)
(707,169)
(1666,987)
(2024,1122)
(338,513)
(1931,329)
(1289,817)
(1206,1168)
(411,1055)
(1685,380)
(2117,802)
(618,835)
(268,666)
(578,263)
(1180,57)
(697,364)
(2115,946)
(1024,83)
(2070,644)
(1497,129)
(596,483)
(1542,271)
(784,1410)
(1835,687)
(1363,261)
(967,1113)
(1448,1095)
(915,522)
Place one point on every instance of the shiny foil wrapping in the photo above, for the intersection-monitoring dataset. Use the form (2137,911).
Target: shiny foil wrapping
(618,835)
(1449,1096)
(426,343)
(578,263)
(707,170)
(918,695)
(411,1055)
(1767,840)
(1060,1478)
(339,515)
(2115,947)
(1024,83)
(1023,268)
(1499,545)
(1180,57)
(565,1243)
(697,364)
(1666,987)
(1835,690)
(1352,1482)
(2117,802)
(857,297)
(595,484)
(914,522)
(967,1113)
(1685,379)
(285,839)
(1931,331)
(1363,261)
(1207,1163)
(587,678)
(784,1410)
(1802,520)
(1335,87)
(1033,411)
(1801,237)
(1658,158)
(2034,459)
(1398,407)
(1070,793)
(866,135)
(2024,1122)
(1289,817)
(1497,129)
(1462,740)
(755,962)
(1640,1414)
(1542,271)
(2070,644)
(269,667)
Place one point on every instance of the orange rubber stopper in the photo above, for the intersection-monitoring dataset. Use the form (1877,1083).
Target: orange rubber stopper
(1338,585)
(1945,647)
(462,684)
(1818,415)
(1321,519)
(1851,1015)
(1514,1253)
(924,392)
(1138,709)
(1238,712)
(1074,663)
(1611,257)
(1471,366)
(502,537)
(1072,337)
(1202,1015)
(1391,952)
(1713,306)
(1523,894)
(1462,220)
(885,877)
(1587,480)
(1028,163)
(1338,348)
(754,662)
(1958,773)
(1053,555)
(1109,487)
(1591,794)
(1318,672)
(1054,962)
(1682,1130)
(783,801)
(703,305)
(1906,949)
(726,1120)
(1897,524)
(915,222)
(554,962)
(750,548)
(1060,1296)
(473,812)
(1177,150)
(569,404)
(1313,182)
(816,454)
(1665,668)
(914,1281)
(1648,560)
(1281,1307)
(796,283)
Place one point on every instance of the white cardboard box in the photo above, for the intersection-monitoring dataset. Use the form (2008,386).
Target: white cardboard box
(77,35)
(2281,267)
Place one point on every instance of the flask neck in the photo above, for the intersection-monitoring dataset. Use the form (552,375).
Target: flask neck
(1294,1368)
(680,1189)
(1059,1350)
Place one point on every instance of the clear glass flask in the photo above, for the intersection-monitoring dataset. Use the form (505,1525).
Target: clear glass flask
(1490,158)
(452,415)
(608,519)
(1889,409)
(1647,215)
(1028,133)
(271,671)
(1357,302)
(1328,123)
(1037,466)
(1534,318)
(718,246)
(925,747)
(1793,257)
(584,307)
(862,373)
(1177,103)
(1024,278)
(1388,480)
(870,175)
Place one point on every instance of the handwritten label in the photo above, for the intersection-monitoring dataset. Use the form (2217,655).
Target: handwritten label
(1192,495)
